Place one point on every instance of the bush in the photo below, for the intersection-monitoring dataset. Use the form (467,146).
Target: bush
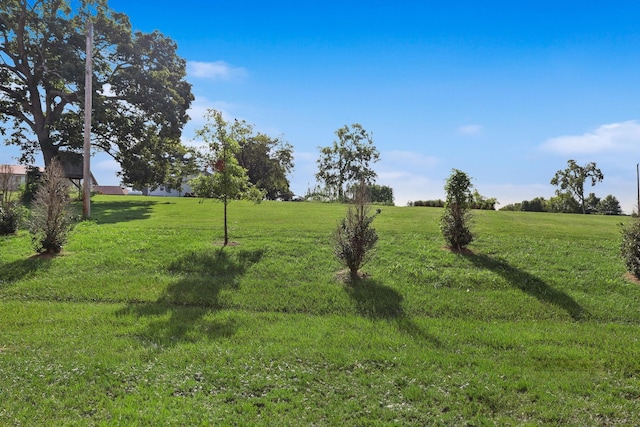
(11,215)
(50,219)
(30,188)
(456,216)
(354,237)
(630,247)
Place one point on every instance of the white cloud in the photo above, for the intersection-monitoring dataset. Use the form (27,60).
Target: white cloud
(200,105)
(409,186)
(218,70)
(470,130)
(404,159)
(620,137)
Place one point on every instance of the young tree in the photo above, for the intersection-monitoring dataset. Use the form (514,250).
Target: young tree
(454,222)
(354,238)
(140,95)
(348,160)
(50,217)
(224,179)
(572,180)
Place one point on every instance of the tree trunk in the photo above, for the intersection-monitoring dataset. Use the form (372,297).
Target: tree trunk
(226,236)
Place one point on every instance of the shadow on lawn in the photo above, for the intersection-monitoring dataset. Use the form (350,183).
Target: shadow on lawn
(120,211)
(530,284)
(188,301)
(377,301)
(17,270)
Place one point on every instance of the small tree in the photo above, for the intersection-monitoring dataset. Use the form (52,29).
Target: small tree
(630,247)
(455,218)
(50,217)
(354,238)
(224,179)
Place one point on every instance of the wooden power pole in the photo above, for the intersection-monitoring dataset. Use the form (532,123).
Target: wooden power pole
(86,164)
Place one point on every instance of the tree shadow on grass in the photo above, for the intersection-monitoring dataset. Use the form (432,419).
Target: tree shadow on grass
(107,212)
(530,284)
(379,302)
(180,314)
(23,268)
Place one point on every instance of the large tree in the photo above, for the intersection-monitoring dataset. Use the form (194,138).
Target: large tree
(140,96)
(348,160)
(572,180)
(268,161)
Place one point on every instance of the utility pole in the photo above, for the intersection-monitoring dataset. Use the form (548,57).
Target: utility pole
(86,164)
(638,186)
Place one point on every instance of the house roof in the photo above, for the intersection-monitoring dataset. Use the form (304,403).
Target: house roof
(14,169)
(20,170)
(111,190)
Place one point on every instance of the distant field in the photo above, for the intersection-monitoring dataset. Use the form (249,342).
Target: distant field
(144,320)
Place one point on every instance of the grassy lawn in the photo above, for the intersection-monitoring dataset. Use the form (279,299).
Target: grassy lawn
(143,320)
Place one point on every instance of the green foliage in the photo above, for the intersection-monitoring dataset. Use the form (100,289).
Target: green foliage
(428,203)
(609,206)
(591,203)
(563,203)
(375,194)
(512,207)
(538,204)
(454,223)
(11,213)
(50,218)
(11,216)
(140,95)
(354,238)
(225,179)
(32,182)
(268,161)
(572,180)
(348,160)
(630,247)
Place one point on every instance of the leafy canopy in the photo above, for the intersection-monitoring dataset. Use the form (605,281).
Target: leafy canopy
(223,178)
(268,161)
(140,95)
(348,160)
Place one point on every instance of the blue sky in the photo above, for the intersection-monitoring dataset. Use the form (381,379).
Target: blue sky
(506,91)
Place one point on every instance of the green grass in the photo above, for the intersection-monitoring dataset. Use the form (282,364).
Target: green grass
(143,320)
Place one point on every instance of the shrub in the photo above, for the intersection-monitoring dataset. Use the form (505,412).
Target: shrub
(354,237)
(630,247)
(50,219)
(30,188)
(456,216)
(11,215)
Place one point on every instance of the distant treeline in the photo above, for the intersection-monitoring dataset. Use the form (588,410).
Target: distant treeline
(477,201)
(566,203)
